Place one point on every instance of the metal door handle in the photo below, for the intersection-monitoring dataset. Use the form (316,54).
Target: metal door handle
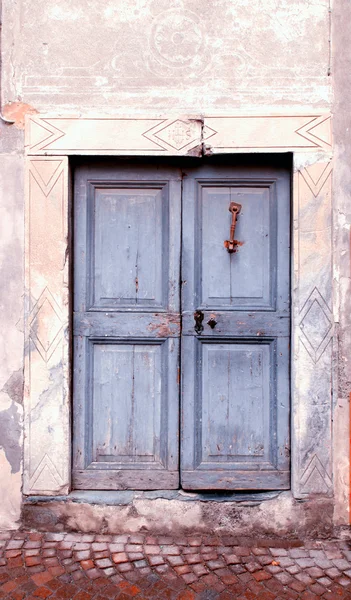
(231,244)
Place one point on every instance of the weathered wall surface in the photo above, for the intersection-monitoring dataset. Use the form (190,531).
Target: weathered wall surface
(143,55)
(11,323)
(341,35)
(175,56)
(279,515)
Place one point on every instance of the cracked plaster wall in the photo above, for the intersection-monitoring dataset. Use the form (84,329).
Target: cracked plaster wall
(341,35)
(140,56)
(11,323)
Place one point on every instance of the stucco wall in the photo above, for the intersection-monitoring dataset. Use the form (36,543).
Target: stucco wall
(11,322)
(341,36)
(143,55)
(157,56)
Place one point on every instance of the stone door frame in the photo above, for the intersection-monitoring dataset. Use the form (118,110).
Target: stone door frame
(50,141)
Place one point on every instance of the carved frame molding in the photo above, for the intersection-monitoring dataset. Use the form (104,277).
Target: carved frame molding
(50,140)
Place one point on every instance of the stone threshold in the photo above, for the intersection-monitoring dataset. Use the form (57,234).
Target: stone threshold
(125,497)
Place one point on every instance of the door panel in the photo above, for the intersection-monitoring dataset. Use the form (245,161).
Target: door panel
(219,279)
(126,328)
(129,247)
(235,368)
(235,402)
(126,382)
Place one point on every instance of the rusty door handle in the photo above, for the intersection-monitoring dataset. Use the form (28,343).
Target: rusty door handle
(231,244)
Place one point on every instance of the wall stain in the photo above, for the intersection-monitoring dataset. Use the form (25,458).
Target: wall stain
(10,434)
(14,386)
(15,112)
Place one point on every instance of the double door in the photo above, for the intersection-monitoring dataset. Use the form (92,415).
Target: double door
(181,336)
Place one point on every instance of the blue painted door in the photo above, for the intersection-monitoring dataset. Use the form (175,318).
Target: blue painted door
(235,355)
(126,327)
(135,299)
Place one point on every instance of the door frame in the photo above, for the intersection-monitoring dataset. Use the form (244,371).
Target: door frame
(50,141)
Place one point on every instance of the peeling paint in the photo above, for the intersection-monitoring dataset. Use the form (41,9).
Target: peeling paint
(10,434)
(15,113)
(14,386)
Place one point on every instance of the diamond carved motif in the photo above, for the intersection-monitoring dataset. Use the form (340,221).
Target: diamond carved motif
(316,325)
(177,134)
(46,325)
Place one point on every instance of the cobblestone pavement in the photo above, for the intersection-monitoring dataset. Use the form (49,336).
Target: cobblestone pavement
(99,567)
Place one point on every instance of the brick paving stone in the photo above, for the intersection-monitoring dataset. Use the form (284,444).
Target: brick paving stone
(232,559)
(341,564)
(273,569)
(315,572)
(298,553)
(294,569)
(175,561)
(267,560)
(120,557)
(279,552)
(304,563)
(105,567)
(133,556)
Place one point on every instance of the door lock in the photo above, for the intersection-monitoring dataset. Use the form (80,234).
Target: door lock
(198,318)
(212,322)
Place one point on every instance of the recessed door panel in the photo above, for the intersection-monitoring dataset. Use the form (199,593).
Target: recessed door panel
(129,249)
(235,392)
(126,404)
(228,280)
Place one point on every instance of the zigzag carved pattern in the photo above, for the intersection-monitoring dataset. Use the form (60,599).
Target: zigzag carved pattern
(315,470)
(45,377)
(45,463)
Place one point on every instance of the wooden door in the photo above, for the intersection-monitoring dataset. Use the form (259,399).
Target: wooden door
(126,327)
(128,320)
(235,371)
